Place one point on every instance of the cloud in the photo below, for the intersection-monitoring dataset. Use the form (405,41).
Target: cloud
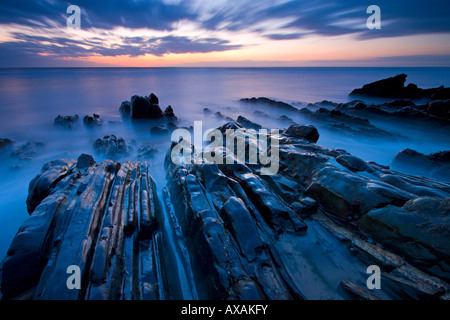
(49,49)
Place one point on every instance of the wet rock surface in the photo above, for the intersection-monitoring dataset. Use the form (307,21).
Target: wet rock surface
(307,232)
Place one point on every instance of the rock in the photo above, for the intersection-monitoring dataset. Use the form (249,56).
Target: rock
(419,231)
(400,103)
(5,143)
(41,186)
(441,94)
(357,291)
(353,163)
(27,150)
(93,121)
(102,222)
(299,131)
(169,112)
(345,194)
(269,102)
(387,88)
(440,109)
(125,109)
(143,109)
(146,152)
(159,131)
(248,124)
(360,106)
(85,161)
(435,165)
(153,99)
(66,121)
(111,147)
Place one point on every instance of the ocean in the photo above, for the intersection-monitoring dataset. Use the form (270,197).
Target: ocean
(30,99)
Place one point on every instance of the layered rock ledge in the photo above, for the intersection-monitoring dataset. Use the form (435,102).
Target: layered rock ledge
(236,234)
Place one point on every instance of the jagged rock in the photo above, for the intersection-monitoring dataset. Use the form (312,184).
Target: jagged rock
(435,165)
(419,231)
(308,132)
(360,106)
(153,99)
(110,146)
(66,121)
(93,121)
(169,112)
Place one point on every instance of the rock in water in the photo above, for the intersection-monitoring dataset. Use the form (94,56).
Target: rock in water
(104,219)
(435,165)
(143,108)
(308,133)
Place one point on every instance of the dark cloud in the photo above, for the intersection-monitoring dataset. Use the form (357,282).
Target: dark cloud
(46,49)
(287,36)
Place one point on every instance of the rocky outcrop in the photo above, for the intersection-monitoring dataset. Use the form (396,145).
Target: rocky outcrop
(225,231)
(111,147)
(92,121)
(67,122)
(394,88)
(145,108)
(103,218)
(434,165)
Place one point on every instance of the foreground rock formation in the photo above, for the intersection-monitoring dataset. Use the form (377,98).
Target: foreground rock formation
(309,231)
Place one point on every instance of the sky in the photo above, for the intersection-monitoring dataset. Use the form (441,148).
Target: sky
(224,33)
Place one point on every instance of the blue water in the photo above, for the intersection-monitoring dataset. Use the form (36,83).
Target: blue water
(30,99)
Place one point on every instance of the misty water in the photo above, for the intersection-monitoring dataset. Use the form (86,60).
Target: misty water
(32,98)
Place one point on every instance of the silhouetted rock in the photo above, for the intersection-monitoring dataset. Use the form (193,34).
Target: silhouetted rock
(395,88)
(66,121)
(143,109)
(159,131)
